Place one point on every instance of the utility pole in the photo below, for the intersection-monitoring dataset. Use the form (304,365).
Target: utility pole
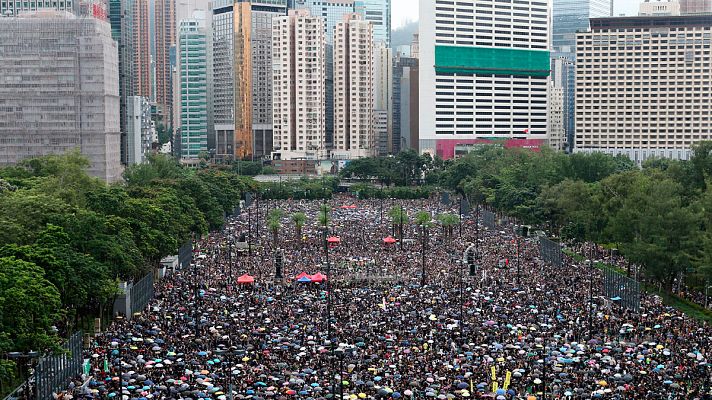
(460,215)
(422,276)
(401,226)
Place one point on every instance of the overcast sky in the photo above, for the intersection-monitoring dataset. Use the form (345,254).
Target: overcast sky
(407,10)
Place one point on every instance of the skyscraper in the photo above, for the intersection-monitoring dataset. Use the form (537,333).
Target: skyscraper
(378,12)
(262,13)
(138,130)
(120,18)
(569,17)
(695,7)
(659,106)
(486,79)
(298,49)
(223,78)
(333,12)
(60,90)
(10,8)
(165,36)
(402,98)
(383,90)
(141,48)
(353,89)
(193,67)
(242,68)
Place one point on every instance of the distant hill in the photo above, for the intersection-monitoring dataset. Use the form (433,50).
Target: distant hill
(404,34)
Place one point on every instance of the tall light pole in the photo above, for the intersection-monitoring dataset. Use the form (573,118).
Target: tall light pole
(460,215)
(401,226)
(422,276)
(590,298)
(462,299)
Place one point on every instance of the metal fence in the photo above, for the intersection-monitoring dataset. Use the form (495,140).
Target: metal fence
(550,251)
(54,372)
(464,207)
(445,198)
(489,219)
(141,293)
(621,289)
(185,254)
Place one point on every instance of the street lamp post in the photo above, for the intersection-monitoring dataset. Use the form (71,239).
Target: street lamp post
(422,276)
(462,299)
(519,277)
(401,226)
(590,298)
(460,215)
(258,218)
(249,231)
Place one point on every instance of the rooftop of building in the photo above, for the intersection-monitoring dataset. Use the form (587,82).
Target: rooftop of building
(647,21)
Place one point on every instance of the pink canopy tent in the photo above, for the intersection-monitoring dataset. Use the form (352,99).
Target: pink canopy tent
(302,275)
(246,280)
(389,240)
(319,277)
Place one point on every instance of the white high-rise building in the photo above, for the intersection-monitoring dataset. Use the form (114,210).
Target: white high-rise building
(139,130)
(643,86)
(383,88)
(298,91)
(353,89)
(60,90)
(484,68)
(557,135)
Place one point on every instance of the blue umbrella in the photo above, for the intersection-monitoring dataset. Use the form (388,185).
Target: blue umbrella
(396,395)
(501,392)
(203,353)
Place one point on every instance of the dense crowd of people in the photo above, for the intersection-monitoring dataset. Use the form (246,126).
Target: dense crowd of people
(516,328)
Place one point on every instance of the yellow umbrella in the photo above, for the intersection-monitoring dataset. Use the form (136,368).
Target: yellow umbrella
(362,395)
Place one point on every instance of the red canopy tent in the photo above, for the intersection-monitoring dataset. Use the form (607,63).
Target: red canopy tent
(302,275)
(351,207)
(389,240)
(318,277)
(334,240)
(245,280)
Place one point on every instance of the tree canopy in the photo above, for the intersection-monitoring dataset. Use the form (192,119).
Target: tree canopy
(69,238)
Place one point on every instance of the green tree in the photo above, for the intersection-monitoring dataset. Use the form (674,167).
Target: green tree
(274,223)
(655,228)
(448,222)
(324,219)
(299,219)
(29,306)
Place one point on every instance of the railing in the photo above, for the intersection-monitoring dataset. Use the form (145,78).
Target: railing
(54,372)
(550,251)
(621,289)
(489,219)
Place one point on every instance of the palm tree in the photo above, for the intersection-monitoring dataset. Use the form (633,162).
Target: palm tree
(299,218)
(448,221)
(324,215)
(274,222)
(422,218)
(399,218)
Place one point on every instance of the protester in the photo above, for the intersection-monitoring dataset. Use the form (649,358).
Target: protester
(516,329)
